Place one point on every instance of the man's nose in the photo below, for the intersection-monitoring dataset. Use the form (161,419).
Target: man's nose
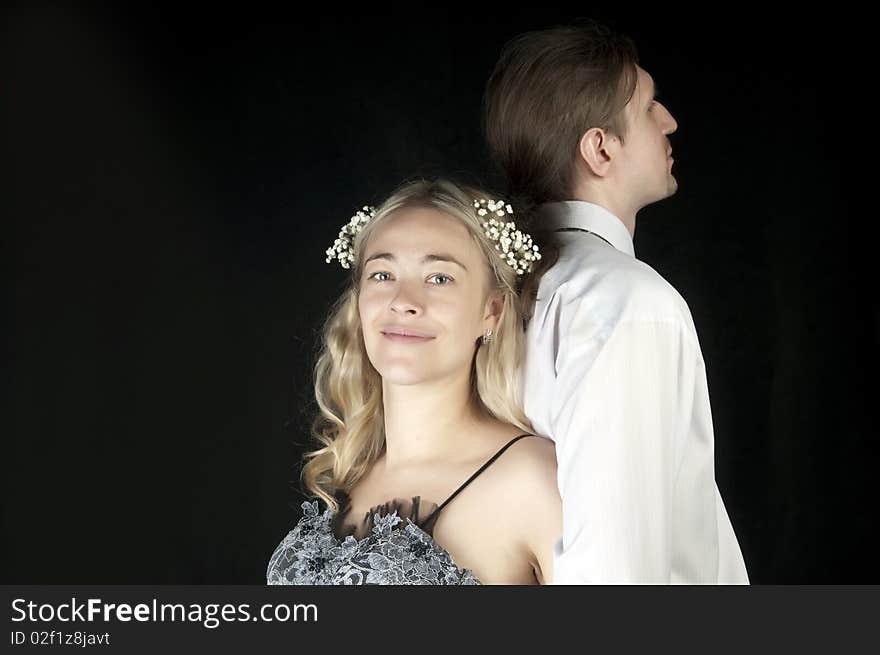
(669,122)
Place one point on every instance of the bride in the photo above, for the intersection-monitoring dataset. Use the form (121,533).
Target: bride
(427,468)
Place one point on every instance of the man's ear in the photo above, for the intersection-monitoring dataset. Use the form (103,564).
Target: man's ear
(596,149)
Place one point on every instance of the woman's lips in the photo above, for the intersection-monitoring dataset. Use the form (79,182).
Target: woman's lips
(400,338)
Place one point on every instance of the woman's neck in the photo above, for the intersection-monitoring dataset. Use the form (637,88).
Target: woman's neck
(428,422)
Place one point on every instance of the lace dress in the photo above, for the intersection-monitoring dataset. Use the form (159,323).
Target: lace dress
(392,545)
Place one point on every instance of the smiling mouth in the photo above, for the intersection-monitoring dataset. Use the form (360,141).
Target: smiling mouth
(405,338)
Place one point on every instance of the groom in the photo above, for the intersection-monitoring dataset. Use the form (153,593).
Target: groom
(613,371)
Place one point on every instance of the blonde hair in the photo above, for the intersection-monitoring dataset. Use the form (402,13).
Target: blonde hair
(348,390)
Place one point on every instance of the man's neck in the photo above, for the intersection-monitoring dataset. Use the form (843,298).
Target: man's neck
(624,214)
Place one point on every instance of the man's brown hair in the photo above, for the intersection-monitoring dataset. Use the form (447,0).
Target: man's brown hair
(548,88)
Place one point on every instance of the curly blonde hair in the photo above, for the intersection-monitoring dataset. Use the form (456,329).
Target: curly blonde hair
(348,389)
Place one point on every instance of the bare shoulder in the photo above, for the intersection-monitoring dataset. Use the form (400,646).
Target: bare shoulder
(526,471)
(505,526)
(528,502)
(530,453)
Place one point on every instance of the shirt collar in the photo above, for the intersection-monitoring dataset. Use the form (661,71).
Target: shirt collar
(591,217)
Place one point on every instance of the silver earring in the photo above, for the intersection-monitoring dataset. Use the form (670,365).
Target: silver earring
(487,337)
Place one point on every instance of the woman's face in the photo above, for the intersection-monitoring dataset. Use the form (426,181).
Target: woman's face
(423,275)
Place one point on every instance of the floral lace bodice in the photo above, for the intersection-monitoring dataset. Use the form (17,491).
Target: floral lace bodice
(395,551)
(391,545)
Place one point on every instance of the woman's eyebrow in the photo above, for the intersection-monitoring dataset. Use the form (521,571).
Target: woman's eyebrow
(441,257)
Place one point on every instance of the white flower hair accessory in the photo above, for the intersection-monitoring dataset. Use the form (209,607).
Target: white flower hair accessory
(515,247)
(343,249)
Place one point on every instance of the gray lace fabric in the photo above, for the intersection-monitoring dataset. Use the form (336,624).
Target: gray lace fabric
(389,549)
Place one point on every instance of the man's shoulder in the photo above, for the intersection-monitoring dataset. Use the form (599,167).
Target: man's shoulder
(612,279)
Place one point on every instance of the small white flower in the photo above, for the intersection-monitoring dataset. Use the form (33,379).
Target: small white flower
(514,246)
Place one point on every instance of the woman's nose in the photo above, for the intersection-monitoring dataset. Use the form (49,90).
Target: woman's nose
(406,300)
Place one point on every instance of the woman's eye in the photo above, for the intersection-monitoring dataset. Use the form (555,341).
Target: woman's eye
(443,279)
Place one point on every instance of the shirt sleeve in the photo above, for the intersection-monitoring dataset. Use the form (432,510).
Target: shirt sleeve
(636,480)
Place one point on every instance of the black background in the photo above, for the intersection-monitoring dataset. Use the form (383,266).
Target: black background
(172,180)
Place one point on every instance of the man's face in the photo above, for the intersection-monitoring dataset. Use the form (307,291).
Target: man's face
(646,154)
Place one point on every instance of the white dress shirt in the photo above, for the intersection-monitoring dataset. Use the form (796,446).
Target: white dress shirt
(614,375)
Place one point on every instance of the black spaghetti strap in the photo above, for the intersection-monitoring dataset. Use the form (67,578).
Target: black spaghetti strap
(433,516)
